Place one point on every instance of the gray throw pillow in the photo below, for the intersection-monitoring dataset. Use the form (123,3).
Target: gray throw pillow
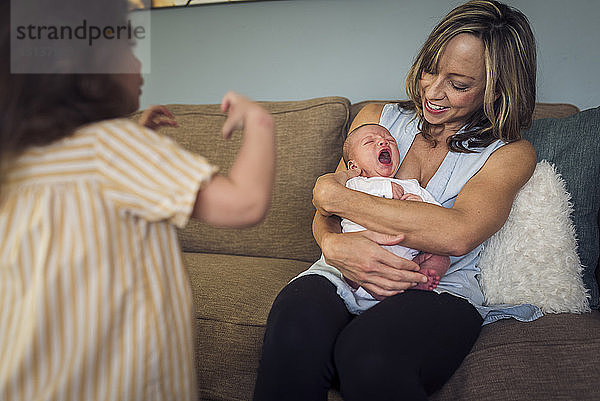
(573,145)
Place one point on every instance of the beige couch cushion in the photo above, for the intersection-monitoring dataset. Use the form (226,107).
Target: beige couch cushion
(232,298)
(309,135)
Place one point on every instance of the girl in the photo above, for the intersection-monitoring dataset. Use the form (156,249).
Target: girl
(94,299)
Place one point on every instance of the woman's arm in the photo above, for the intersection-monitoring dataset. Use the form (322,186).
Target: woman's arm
(480,209)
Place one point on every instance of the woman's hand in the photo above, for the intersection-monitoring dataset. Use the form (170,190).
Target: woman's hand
(360,258)
(326,188)
(157,116)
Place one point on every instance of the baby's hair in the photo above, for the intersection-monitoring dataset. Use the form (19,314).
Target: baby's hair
(346,148)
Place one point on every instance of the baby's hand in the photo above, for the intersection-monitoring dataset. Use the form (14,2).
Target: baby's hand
(397,191)
(155,117)
(411,197)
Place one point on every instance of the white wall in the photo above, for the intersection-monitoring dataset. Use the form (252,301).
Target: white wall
(296,49)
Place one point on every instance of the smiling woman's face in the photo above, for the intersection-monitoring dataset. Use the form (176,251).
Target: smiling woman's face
(456,91)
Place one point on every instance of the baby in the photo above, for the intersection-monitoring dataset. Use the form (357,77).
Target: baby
(373,150)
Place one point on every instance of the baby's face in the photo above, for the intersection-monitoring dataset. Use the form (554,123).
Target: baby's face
(373,149)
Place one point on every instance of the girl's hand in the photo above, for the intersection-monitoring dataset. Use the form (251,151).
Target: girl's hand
(240,111)
(360,258)
(157,116)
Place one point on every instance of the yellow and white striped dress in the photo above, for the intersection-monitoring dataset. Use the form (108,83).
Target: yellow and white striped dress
(94,301)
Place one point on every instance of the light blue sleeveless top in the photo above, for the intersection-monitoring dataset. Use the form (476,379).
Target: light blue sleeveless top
(454,172)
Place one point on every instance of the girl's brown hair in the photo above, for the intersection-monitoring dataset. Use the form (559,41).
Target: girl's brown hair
(510,68)
(38,109)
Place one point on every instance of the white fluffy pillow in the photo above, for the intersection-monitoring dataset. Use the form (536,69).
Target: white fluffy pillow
(533,258)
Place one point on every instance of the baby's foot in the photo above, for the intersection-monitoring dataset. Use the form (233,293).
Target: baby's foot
(433,279)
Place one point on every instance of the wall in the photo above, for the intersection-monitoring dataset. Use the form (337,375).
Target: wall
(296,49)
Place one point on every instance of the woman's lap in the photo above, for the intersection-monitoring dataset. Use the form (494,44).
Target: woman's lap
(407,345)
(297,357)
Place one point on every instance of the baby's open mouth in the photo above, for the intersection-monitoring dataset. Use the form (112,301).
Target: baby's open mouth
(385,157)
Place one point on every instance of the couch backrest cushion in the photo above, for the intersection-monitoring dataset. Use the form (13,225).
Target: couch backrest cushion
(309,135)
(573,145)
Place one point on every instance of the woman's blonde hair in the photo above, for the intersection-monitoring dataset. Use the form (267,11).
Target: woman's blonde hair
(510,69)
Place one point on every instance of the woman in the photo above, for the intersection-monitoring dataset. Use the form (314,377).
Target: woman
(471,89)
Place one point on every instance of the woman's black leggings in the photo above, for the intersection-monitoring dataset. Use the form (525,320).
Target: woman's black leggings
(404,348)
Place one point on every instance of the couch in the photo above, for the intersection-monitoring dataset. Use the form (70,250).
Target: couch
(236,274)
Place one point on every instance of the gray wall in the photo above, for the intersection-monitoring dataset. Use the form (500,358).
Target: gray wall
(297,49)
